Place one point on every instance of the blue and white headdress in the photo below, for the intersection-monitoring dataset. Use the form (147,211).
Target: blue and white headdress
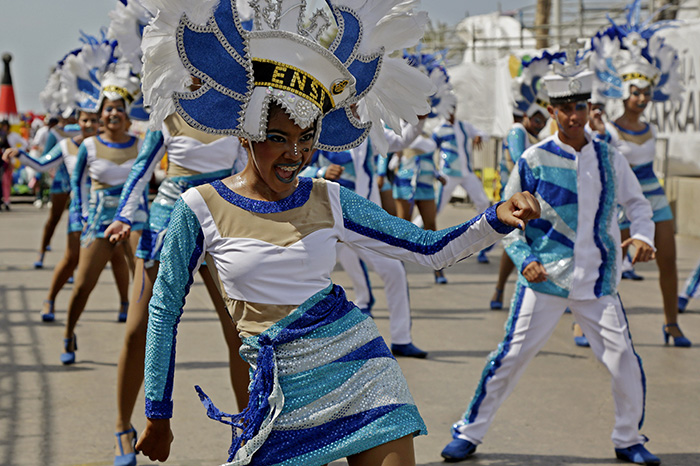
(281,60)
(570,81)
(529,93)
(94,74)
(444,100)
(633,55)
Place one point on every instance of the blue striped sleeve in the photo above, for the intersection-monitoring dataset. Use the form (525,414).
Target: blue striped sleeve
(183,251)
(46,162)
(78,185)
(150,155)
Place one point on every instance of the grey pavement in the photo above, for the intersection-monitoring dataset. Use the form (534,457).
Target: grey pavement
(561,413)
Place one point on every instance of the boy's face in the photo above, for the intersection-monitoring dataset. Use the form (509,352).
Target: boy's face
(571,118)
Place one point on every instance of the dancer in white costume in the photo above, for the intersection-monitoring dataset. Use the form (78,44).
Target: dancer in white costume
(635,65)
(569,258)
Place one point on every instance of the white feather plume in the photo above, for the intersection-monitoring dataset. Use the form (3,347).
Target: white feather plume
(91,57)
(51,97)
(163,72)
(125,28)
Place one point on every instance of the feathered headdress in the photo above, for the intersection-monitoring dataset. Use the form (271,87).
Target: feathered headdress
(632,54)
(94,74)
(443,101)
(282,60)
(529,93)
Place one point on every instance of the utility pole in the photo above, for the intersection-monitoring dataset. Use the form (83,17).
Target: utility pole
(541,21)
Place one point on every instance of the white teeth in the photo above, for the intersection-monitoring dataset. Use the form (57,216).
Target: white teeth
(288,169)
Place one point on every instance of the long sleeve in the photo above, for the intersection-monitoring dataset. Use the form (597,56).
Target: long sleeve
(78,183)
(472,131)
(367,226)
(516,141)
(408,134)
(183,253)
(51,142)
(630,196)
(516,244)
(46,162)
(150,155)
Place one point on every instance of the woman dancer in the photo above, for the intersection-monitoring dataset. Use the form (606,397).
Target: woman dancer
(64,155)
(275,247)
(194,158)
(107,159)
(621,57)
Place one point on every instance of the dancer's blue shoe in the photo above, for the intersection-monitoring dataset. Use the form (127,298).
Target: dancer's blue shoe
(482,258)
(682,304)
(458,450)
(49,316)
(631,275)
(636,454)
(68,357)
(408,351)
(497,304)
(123,312)
(680,342)
(128,459)
(440,278)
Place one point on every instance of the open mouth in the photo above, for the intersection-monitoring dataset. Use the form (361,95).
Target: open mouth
(286,173)
(114,120)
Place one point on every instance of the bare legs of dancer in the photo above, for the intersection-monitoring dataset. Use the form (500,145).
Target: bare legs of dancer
(504,270)
(131,360)
(59,202)
(428,212)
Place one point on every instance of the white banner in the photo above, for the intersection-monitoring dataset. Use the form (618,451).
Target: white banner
(680,123)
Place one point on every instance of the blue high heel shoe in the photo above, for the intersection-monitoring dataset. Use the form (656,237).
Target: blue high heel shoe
(482,258)
(440,278)
(40,263)
(682,304)
(680,342)
(497,304)
(68,357)
(123,312)
(128,459)
(49,316)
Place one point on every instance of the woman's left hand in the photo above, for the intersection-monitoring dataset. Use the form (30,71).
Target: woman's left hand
(518,210)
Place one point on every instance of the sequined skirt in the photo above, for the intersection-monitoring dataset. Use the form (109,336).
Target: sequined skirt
(653,192)
(169,192)
(61,180)
(415,179)
(337,390)
(103,208)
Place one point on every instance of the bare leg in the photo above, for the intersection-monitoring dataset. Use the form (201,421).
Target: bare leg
(64,269)
(398,452)
(59,201)
(388,202)
(92,261)
(665,241)
(504,271)
(120,270)
(428,212)
(238,368)
(131,359)
(404,209)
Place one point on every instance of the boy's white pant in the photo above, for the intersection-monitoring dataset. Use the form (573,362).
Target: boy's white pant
(393,274)
(471,184)
(532,320)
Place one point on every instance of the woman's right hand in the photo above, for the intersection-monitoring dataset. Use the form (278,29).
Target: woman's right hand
(117,231)
(9,153)
(156,439)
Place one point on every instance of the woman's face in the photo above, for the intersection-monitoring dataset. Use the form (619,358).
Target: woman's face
(88,124)
(638,99)
(285,151)
(113,115)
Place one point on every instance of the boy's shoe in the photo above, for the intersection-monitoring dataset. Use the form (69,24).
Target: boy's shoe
(457,450)
(409,351)
(636,454)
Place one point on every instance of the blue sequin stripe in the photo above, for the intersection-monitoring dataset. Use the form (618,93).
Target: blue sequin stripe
(603,219)
(183,250)
(297,199)
(495,359)
(641,366)
(693,283)
(75,180)
(401,233)
(153,142)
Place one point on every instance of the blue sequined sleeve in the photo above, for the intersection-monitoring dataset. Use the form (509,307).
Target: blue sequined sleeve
(516,244)
(79,187)
(368,226)
(150,155)
(183,252)
(51,159)
(516,144)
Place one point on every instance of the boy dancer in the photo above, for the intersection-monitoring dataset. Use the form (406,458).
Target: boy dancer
(570,257)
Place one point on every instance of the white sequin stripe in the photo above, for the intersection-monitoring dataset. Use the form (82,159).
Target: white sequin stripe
(379,382)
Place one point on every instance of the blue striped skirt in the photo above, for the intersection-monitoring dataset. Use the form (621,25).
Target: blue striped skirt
(325,386)
(103,208)
(653,192)
(61,181)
